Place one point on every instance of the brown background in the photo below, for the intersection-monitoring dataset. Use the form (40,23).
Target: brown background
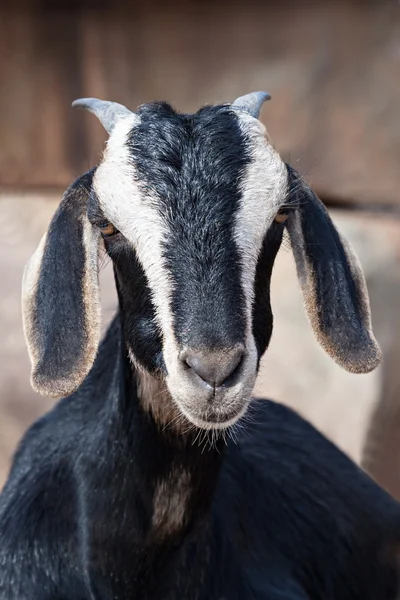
(332,67)
(333,70)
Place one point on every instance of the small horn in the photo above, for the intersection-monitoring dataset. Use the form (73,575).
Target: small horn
(252,103)
(108,113)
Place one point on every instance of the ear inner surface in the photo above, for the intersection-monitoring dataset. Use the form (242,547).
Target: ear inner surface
(333,285)
(60,297)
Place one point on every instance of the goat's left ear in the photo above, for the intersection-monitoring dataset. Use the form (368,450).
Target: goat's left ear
(60,297)
(332,282)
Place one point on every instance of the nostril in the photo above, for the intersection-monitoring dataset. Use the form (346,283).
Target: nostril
(214,367)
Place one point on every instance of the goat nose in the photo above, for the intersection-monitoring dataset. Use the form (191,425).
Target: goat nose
(213,367)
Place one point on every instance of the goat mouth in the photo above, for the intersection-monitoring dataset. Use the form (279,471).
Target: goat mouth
(212,419)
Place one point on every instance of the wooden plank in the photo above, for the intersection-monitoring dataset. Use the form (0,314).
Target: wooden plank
(38,73)
(332,68)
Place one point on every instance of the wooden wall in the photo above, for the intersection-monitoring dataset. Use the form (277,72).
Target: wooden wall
(332,67)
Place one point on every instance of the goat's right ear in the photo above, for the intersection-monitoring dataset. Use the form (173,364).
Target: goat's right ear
(60,297)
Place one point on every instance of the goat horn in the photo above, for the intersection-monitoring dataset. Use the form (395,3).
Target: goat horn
(251,103)
(108,113)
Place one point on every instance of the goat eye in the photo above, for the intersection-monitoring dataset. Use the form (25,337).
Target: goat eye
(281,217)
(107,229)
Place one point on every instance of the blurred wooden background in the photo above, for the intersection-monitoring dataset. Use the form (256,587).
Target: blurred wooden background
(333,70)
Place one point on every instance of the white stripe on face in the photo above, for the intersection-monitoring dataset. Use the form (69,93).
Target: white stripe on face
(264,189)
(134,213)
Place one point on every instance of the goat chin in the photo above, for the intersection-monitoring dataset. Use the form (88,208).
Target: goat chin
(216,420)
(216,411)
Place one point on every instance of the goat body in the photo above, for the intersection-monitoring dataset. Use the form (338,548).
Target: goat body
(103,504)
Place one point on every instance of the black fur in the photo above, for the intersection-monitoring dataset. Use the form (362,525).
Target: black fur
(262,313)
(195,163)
(338,306)
(282,514)
(137,310)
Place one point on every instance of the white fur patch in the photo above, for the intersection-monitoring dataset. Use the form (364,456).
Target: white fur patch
(263,191)
(135,214)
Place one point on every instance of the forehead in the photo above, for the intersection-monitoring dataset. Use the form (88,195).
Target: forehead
(200,154)
(204,161)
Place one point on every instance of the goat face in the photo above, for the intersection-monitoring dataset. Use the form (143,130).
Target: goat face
(192,198)
(192,209)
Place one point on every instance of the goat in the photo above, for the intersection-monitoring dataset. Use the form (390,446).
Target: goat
(141,482)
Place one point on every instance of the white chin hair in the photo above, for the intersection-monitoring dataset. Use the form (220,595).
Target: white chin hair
(208,425)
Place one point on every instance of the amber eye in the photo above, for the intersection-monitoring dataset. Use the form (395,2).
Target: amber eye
(107,229)
(281,217)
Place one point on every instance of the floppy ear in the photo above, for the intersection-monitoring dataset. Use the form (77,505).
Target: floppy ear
(332,282)
(60,297)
